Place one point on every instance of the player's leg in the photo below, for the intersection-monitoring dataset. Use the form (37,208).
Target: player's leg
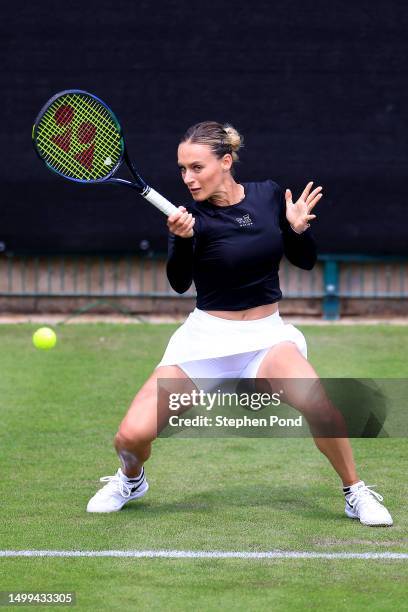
(286,368)
(145,418)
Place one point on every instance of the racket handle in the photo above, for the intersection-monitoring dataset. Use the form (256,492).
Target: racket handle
(160,202)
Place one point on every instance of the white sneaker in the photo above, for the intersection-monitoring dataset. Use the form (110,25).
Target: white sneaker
(364,504)
(119,490)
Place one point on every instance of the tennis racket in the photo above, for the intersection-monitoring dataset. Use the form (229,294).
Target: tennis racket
(78,137)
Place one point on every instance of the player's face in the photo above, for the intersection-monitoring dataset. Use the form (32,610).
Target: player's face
(202,172)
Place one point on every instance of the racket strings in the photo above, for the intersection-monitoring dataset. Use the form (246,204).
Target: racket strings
(79,138)
(86,119)
(84,158)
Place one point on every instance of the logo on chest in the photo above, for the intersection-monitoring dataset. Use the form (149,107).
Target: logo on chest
(244,221)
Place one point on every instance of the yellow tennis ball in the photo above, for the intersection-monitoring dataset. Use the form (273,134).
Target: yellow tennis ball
(44,338)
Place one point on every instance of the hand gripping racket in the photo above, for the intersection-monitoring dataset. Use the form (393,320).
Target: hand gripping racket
(78,137)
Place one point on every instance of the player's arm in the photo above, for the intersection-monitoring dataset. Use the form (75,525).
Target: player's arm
(298,242)
(180,250)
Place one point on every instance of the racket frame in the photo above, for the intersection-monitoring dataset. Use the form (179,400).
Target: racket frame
(115,119)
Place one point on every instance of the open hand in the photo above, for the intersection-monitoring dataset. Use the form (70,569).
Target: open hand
(298,214)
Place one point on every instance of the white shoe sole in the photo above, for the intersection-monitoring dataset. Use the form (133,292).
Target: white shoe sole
(351,515)
(136,495)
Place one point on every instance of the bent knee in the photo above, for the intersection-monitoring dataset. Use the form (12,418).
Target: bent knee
(130,434)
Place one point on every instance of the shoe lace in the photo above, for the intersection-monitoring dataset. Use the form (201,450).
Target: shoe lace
(366,493)
(116,485)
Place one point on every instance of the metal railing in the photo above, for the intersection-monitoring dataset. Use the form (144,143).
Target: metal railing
(362,276)
(97,277)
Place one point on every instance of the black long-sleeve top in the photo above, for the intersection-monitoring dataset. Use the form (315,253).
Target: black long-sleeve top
(235,252)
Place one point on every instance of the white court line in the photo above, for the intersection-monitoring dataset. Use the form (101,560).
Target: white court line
(202,554)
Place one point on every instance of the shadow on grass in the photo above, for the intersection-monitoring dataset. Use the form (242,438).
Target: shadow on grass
(306,503)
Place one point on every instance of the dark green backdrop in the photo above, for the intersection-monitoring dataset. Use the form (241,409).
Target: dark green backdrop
(319,90)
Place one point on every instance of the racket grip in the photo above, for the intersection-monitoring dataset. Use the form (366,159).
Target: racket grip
(160,202)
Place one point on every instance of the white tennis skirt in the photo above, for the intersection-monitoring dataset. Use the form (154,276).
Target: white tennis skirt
(203,336)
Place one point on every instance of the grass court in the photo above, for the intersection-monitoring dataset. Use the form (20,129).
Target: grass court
(59,411)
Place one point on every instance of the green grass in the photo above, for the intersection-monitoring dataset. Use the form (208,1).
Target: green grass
(59,411)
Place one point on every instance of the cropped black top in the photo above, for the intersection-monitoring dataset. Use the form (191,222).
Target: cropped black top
(235,252)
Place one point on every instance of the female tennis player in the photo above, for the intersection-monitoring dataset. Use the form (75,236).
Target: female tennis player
(230,240)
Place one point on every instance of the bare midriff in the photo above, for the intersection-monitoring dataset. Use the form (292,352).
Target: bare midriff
(258,312)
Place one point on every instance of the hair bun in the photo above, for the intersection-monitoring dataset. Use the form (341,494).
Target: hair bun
(234,138)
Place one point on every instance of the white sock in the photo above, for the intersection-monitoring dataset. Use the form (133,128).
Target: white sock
(353,488)
(129,479)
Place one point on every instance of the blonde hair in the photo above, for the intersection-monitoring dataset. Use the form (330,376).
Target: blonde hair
(221,138)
